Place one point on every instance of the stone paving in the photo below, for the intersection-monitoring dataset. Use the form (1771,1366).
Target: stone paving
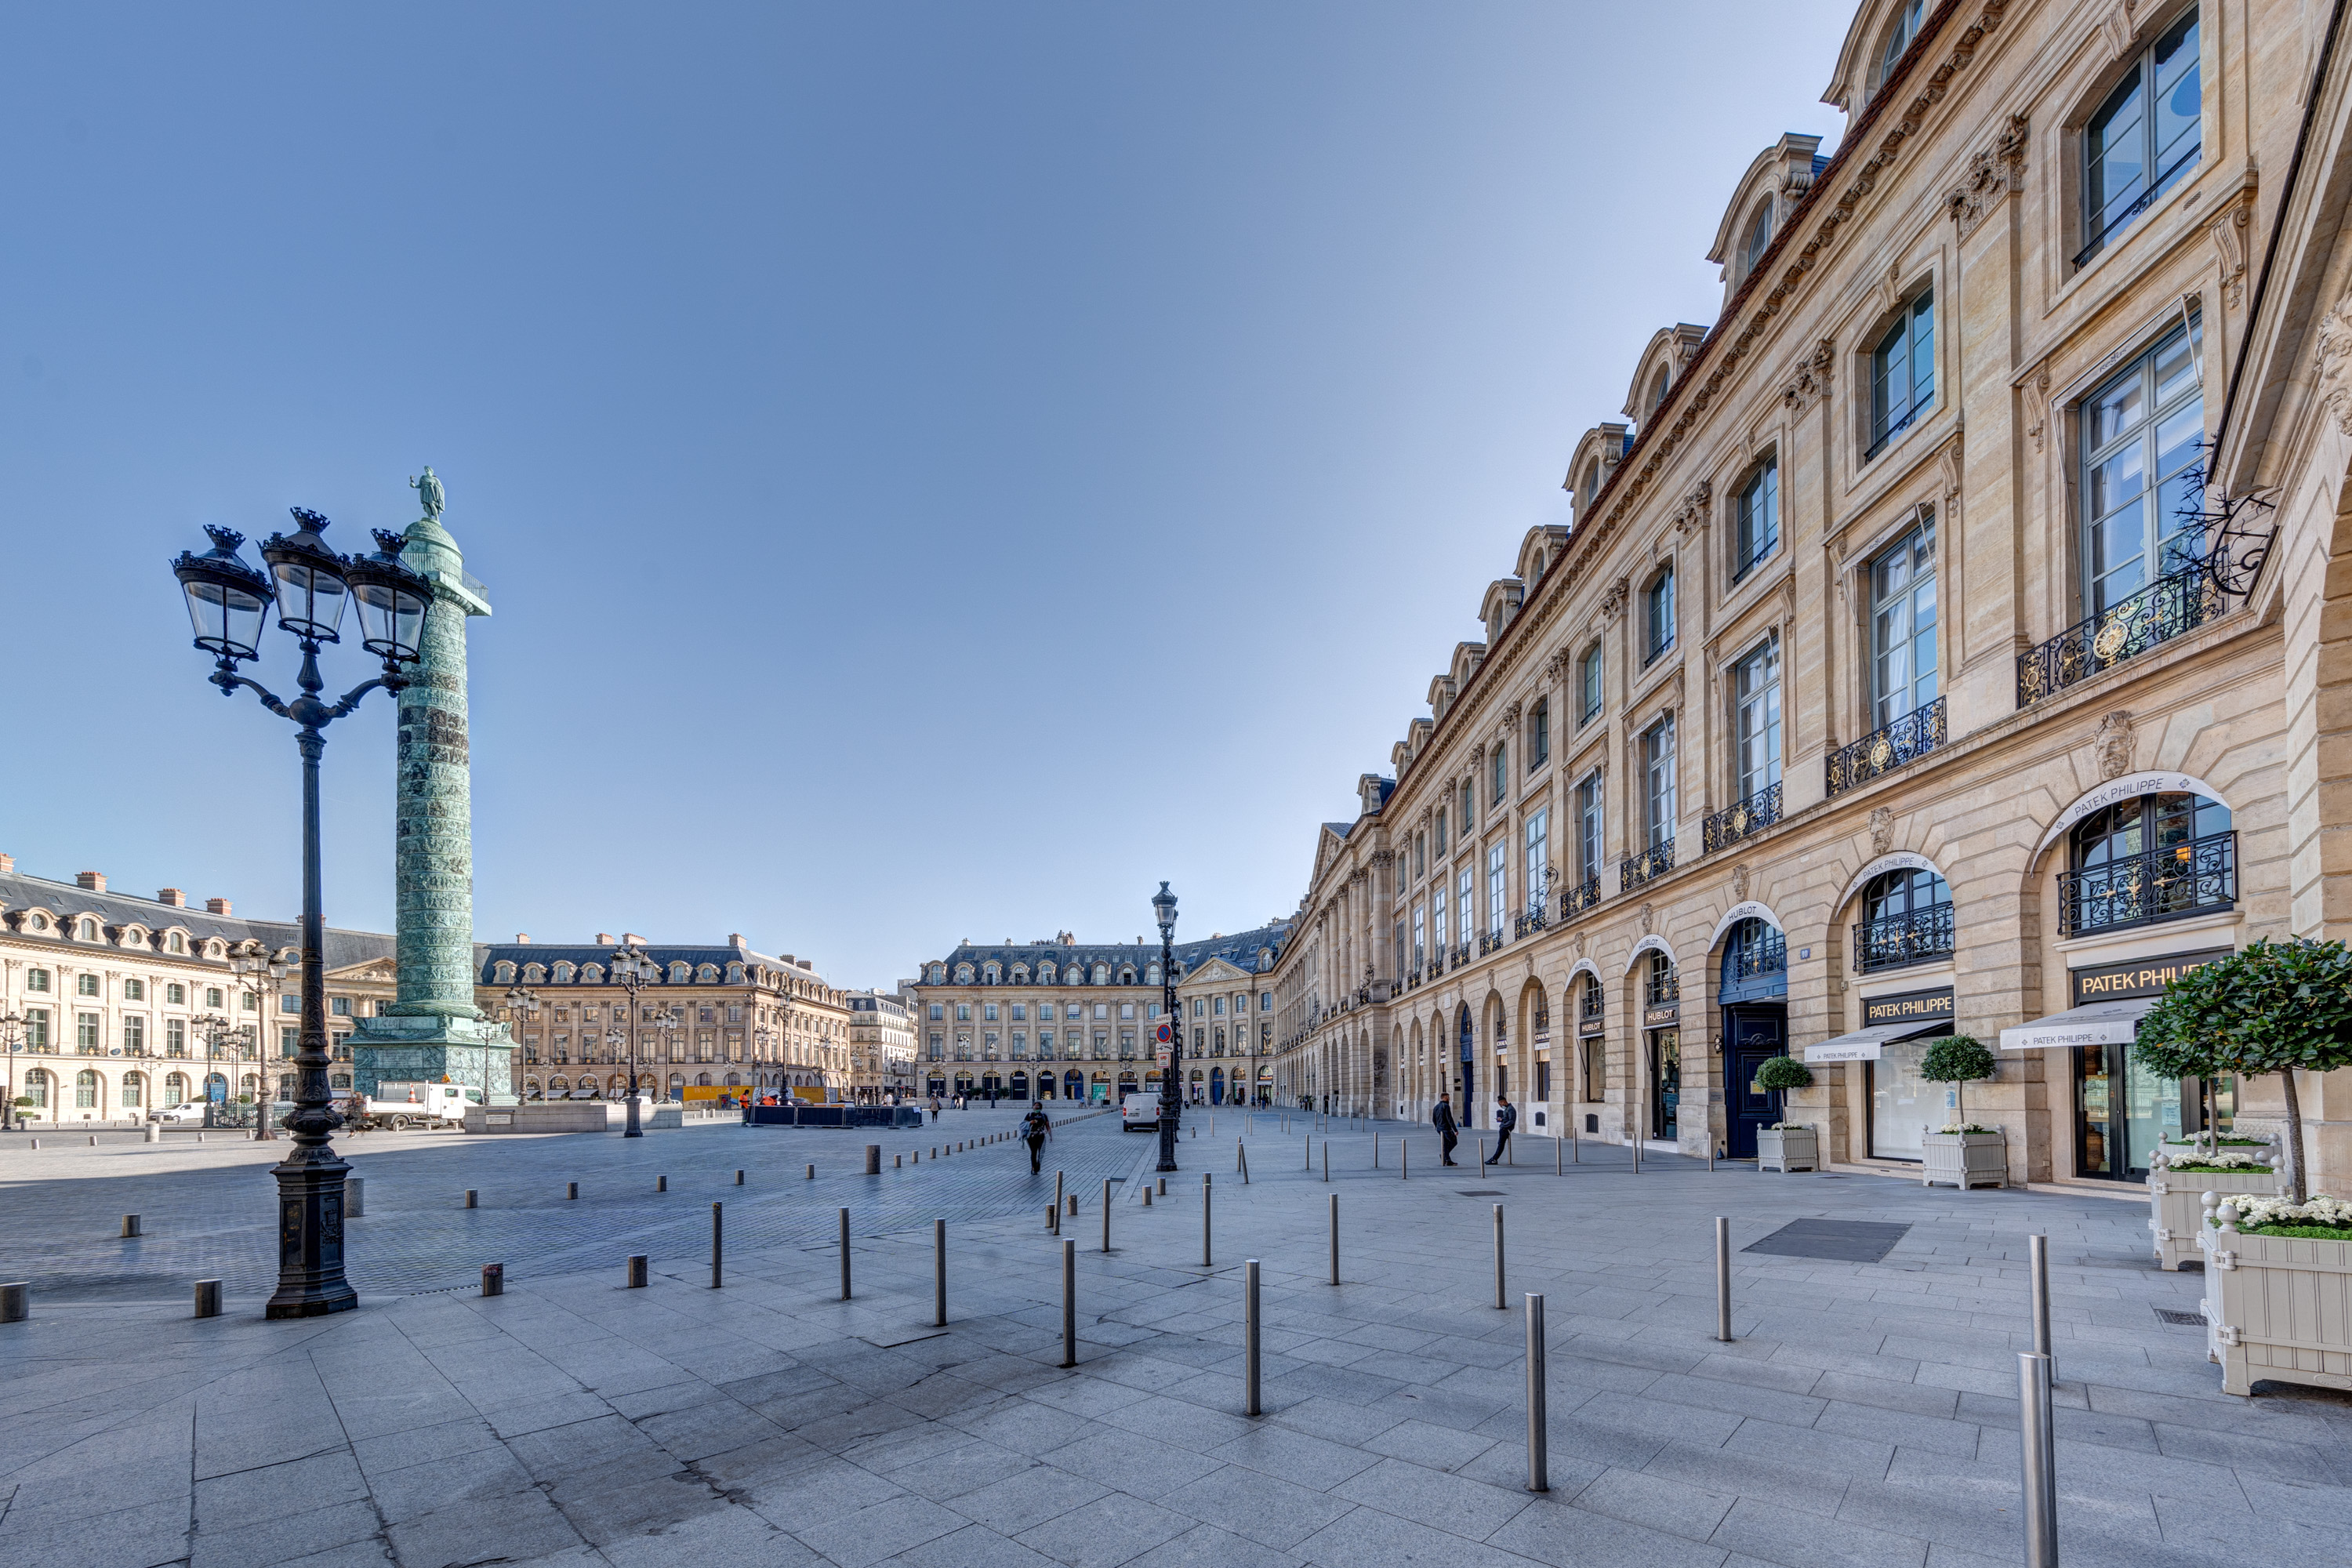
(1864,1413)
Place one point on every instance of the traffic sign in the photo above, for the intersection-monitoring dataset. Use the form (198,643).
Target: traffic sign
(1165,1035)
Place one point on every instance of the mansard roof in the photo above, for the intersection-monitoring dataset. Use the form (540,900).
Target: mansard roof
(1238,948)
(69,900)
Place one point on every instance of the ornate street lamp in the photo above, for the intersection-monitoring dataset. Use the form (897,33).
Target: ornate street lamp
(633,972)
(12,1035)
(212,1026)
(263,973)
(229,602)
(1172,1029)
(520,999)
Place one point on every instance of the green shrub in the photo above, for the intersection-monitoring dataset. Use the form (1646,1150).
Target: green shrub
(1957,1059)
(1780,1074)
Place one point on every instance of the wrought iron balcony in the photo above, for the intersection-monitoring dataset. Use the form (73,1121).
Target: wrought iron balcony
(1768,954)
(1413,978)
(2161,884)
(1489,941)
(2166,609)
(1583,896)
(1751,817)
(1527,922)
(1461,956)
(1647,866)
(1883,750)
(1920,937)
(1662,988)
(1589,1009)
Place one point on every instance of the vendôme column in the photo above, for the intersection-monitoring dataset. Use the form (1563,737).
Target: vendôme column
(434,1033)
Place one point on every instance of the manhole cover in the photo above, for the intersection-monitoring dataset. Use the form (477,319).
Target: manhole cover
(2180,1319)
(1842,1240)
(1480,1192)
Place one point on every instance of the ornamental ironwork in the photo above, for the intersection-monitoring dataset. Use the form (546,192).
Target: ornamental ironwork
(1751,817)
(2160,884)
(2166,609)
(1766,953)
(1527,922)
(1649,864)
(1489,941)
(1918,732)
(1921,936)
(1579,898)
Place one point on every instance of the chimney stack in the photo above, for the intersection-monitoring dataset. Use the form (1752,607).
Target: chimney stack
(217,906)
(603,938)
(90,881)
(735,938)
(523,938)
(8,864)
(631,936)
(172,896)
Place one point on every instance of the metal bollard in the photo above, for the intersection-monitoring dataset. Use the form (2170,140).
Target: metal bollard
(1057,1194)
(1073,1210)
(1326,1159)
(1106,1214)
(938,1273)
(93,1139)
(897,1161)
(1335,1238)
(473,1199)
(1539,1421)
(207,1299)
(1723,1278)
(636,1274)
(494,1279)
(874,1159)
(129,1226)
(1163,1186)
(15,1300)
(570,1189)
(845,1255)
(1404,1159)
(1250,1319)
(354,1196)
(2039,1459)
(1555,1156)
(1146,1195)
(1376,1150)
(1710,1156)
(154,1132)
(661,1184)
(2038,1256)
(1575,1150)
(1498,1259)
(1069,1303)
(1204,1221)
(1310,1152)
(1052,1219)
(718,1220)
(739,1178)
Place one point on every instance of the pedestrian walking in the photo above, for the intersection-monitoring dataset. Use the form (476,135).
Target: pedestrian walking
(1035,1128)
(1506,1116)
(935,1108)
(1448,1134)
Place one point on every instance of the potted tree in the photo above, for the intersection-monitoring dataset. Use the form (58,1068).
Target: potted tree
(2274,1278)
(1786,1145)
(1962,1153)
(2182,1176)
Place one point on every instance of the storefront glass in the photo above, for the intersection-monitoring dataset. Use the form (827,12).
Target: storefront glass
(2119,1130)
(1667,1081)
(1902,1105)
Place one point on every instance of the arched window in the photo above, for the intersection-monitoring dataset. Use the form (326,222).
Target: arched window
(89,928)
(1102,974)
(963,974)
(36,1087)
(680,973)
(85,1090)
(1657,392)
(134,1092)
(1905,918)
(175,1088)
(177,944)
(502,973)
(591,974)
(1045,973)
(1758,240)
(564,972)
(1898,39)
(1755,961)
(2152,857)
(988,974)
(534,973)
(1658,614)
(1588,487)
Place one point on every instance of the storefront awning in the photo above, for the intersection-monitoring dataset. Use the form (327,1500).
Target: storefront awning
(2097,1024)
(1861,1044)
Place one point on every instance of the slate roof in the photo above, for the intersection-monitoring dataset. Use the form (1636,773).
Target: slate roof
(1238,949)
(488,953)
(68,901)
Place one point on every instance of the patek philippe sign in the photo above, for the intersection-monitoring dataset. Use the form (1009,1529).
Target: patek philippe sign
(2148,977)
(1909,1007)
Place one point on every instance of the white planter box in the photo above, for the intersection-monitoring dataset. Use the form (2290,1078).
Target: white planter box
(2278,1307)
(1785,1151)
(1965,1159)
(2176,1209)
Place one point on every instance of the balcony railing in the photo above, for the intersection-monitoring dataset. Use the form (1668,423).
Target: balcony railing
(1528,921)
(1752,815)
(1489,941)
(2165,609)
(1583,896)
(1883,750)
(1767,955)
(2161,884)
(1920,937)
(1590,1010)
(1461,956)
(1662,988)
(1649,864)
(2145,199)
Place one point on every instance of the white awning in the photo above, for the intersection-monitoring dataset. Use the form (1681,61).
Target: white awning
(1861,1044)
(2098,1024)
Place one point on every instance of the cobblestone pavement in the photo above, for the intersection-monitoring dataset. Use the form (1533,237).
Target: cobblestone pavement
(1864,1413)
(208,1210)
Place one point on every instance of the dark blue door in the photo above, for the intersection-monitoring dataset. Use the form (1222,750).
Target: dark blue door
(1751,1036)
(1465,1110)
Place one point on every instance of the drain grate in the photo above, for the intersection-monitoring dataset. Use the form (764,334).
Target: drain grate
(1839,1240)
(1480,1192)
(2180,1319)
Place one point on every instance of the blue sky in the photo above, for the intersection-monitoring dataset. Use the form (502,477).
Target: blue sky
(940,470)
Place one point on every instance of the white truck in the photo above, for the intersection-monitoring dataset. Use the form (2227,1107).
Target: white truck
(1141,1109)
(401,1105)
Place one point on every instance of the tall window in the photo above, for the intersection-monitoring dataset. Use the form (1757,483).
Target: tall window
(1589,824)
(2142,426)
(1658,778)
(1538,861)
(1420,857)
(1907,27)
(1903,626)
(1756,687)
(1539,735)
(1758,240)
(1469,815)
(1461,905)
(1499,787)
(2144,139)
(1418,947)
(1497,867)
(1906,918)
(1437,917)
(1658,614)
(1759,508)
(1441,833)
(1902,371)
(1588,487)
(1588,683)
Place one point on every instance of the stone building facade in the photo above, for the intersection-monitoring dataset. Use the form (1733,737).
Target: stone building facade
(113,1005)
(718,1017)
(1948,639)
(881,1046)
(1069,1020)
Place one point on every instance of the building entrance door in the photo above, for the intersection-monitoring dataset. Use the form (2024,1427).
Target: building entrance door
(1752,1035)
(1665,1082)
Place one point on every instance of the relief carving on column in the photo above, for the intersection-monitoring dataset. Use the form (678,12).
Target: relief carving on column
(2037,404)
(1882,829)
(1995,173)
(1812,381)
(1613,603)
(2335,364)
(2229,231)
(2115,743)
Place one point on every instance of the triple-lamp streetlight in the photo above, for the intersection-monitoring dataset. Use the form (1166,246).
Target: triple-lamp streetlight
(263,973)
(213,1027)
(1171,1030)
(229,602)
(13,1025)
(633,971)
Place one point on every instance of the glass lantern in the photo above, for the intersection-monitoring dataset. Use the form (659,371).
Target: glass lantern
(392,600)
(228,601)
(312,591)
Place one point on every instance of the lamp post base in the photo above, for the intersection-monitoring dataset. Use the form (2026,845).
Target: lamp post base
(310,1282)
(634,1130)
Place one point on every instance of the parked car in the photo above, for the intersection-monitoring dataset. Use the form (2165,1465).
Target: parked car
(187,1111)
(1139,1109)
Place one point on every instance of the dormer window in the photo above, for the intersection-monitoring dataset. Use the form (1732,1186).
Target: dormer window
(1758,240)
(1907,17)
(1588,487)
(1657,393)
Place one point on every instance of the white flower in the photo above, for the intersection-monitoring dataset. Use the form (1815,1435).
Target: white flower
(2319,1209)
(2221,1159)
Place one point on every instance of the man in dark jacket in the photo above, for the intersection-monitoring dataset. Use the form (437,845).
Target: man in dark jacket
(1442,1117)
(1506,1116)
(1034,1130)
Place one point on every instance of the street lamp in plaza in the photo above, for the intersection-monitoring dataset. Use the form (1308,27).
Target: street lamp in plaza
(212,1026)
(520,999)
(633,971)
(12,1035)
(1170,1031)
(229,602)
(263,973)
(763,1040)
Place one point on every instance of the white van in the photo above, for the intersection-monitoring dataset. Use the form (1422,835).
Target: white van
(1139,1109)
